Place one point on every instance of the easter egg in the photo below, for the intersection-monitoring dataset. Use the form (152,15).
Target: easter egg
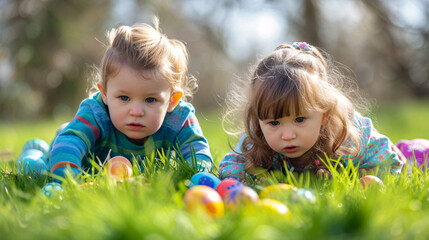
(370,180)
(303,195)
(32,162)
(273,206)
(226,185)
(204,178)
(52,189)
(119,168)
(239,197)
(204,198)
(37,144)
(416,151)
(276,190)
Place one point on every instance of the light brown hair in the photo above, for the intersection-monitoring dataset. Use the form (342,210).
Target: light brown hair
(286,82)
(143,47)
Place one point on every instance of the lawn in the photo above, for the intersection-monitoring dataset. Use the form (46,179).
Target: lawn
(150,205)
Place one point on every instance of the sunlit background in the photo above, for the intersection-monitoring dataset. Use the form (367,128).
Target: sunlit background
(47,46)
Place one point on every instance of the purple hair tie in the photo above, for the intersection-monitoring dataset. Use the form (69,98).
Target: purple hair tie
(302,45)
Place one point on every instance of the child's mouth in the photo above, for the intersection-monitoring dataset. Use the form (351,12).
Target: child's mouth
(291,149)
(135,126)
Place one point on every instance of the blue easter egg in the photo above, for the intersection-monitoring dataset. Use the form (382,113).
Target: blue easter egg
(204,178)
(32,161)
(37,144)
(304,195)
(52,189)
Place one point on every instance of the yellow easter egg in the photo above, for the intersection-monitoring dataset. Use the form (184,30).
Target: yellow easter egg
(273,191)
(273,206)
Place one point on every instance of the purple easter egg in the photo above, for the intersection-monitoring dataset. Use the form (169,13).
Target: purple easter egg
(416,149)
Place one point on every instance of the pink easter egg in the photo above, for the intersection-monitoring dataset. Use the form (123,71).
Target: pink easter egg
(227,185)
(368,180)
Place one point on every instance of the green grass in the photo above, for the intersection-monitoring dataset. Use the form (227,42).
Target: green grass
(405,120)
(150,205)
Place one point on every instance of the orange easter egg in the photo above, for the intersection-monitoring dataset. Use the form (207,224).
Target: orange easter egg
(119,168)
(204,198)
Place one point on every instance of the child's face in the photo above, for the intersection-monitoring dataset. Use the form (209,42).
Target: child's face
(137,105)
(292,136)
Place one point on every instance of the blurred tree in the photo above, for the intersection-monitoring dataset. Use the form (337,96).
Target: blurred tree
(48,43)
(209,62)
(400,55)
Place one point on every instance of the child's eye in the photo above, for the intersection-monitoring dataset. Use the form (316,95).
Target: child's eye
(299,119)
(274,123)
(124,98)
(150,100)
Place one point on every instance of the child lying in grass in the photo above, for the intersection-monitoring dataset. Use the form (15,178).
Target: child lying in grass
(296,113)
(139,107)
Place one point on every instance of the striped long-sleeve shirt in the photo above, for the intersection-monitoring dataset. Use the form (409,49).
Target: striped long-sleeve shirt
(91,133)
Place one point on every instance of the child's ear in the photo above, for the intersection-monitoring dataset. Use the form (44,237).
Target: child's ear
(174,100)
(324,119)
(103,93)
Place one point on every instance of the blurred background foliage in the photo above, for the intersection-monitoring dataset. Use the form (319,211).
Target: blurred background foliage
(48,46)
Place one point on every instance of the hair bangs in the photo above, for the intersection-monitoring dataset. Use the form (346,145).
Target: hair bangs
(278,98)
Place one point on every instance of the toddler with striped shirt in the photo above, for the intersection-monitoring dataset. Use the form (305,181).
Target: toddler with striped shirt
(139,107)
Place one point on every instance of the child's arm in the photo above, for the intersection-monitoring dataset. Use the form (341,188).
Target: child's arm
(75,141)
(191,135)
(232,164)
(377,149)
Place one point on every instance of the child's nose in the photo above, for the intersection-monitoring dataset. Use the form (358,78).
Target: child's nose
(288,134)
(136,110)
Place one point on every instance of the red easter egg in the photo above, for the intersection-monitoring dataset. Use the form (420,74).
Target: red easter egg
(226,185)
(204,198)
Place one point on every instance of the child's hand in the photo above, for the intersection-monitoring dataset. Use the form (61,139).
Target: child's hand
(323,174)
